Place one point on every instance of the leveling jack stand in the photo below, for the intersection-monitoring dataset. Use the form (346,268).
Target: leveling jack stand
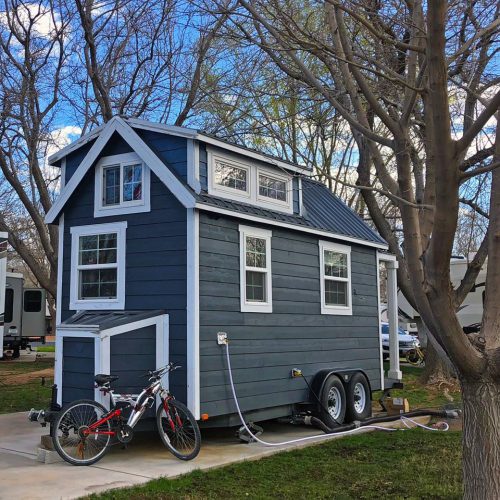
(243,435)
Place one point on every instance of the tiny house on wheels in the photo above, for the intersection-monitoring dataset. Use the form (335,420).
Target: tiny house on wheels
(169,236)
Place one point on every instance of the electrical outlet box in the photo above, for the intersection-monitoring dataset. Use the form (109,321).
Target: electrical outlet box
(221,338)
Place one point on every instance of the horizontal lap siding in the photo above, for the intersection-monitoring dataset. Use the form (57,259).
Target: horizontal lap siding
(78,369)
(265,347)
(155,276)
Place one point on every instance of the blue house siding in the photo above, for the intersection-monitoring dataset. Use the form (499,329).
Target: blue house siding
(155,276)
(265,347)
(78,369)
(172,150)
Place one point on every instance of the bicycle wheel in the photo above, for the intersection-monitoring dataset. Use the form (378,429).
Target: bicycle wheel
(70,439)
(413,357)
(178,429)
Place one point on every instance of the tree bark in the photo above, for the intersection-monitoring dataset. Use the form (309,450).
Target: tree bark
(481,439)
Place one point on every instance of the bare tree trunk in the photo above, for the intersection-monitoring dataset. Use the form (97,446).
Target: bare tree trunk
(481,439)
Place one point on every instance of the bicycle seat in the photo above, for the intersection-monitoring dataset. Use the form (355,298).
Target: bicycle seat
(102,379)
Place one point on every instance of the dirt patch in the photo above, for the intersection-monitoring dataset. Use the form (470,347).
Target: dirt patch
(25,378)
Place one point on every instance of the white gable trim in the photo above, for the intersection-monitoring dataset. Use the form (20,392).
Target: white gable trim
(118,125)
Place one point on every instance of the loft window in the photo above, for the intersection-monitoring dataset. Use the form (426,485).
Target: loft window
(335,267)
(230,176)
(272,187)
(255,269)
(98,266)
(122,185)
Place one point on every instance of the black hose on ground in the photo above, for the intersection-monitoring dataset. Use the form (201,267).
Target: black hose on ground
(377,420)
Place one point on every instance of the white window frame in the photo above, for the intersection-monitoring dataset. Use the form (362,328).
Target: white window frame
(251,195)
(124,207)
(288,203)
(228,192)
(328,308)
(118,303)
(261,307)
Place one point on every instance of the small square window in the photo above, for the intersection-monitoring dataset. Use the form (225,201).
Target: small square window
(271,187)
(230,176)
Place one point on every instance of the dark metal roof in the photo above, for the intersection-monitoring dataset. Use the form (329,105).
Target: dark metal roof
(103,320)
(322,210)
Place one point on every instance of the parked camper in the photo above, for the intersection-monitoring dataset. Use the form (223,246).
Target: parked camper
(24,315)
(3,277)
(170,238)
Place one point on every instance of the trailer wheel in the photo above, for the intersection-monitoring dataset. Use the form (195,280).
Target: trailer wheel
(333,401)
(359,401)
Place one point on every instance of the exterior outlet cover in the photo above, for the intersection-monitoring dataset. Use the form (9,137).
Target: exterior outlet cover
(221,338)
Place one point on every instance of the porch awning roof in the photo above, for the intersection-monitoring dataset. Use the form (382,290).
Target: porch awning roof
(104,320)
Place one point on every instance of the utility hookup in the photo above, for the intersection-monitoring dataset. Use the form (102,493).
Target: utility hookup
(221,338)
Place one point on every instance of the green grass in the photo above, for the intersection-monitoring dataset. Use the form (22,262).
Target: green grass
(419,395)
(24,396)
(46,348)
(375,465)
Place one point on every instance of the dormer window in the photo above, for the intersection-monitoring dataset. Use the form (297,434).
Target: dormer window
(233,178)
(122,184)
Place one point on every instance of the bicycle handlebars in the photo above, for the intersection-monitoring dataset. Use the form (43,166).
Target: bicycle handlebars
(170,367)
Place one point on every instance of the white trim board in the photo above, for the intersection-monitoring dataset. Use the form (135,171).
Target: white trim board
(102,349)
(60,250)
(304,229)
(193,313)
(117,124)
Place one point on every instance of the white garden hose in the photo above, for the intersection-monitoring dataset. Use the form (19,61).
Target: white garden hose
(317,436)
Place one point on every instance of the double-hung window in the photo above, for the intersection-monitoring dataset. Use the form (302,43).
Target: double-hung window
(255,270)
(122,185)
(335,272)
(98,266)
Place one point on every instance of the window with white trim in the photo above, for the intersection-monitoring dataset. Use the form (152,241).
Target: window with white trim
(98,266)
(122,185)
(255,270)
(232,178)
(335,275)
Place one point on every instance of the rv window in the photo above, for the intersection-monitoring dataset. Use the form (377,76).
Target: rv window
(9,305)
(32,301)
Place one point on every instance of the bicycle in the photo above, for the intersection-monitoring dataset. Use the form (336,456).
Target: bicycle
(82,431)
(416,356)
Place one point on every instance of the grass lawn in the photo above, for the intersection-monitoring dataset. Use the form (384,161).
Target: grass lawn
(411,464)
(20,385)
(46,348)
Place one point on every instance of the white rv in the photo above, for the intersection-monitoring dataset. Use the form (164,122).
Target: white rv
(470,313)
(3,276)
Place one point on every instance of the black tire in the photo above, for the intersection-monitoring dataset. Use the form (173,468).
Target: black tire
(359,400)
(184,439)
(333,401)
(67,440)
(413,357)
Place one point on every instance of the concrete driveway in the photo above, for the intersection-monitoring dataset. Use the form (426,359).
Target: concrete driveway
(23,477)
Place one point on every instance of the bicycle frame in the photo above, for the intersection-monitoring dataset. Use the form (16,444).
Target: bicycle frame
(138,404)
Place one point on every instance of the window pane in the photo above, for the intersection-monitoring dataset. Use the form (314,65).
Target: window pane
(32,301)
(229,176)
(272,188)
(336,293)
(336,264)
(98,249)
(132,182)
(111,185)
(255,252)
(255,286)
(96,283)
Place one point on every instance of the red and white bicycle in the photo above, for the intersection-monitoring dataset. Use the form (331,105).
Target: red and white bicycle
(82,431)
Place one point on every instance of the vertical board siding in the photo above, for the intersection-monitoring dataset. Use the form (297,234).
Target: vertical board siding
(203,166)
(265,347)
(78,369)
(156,271)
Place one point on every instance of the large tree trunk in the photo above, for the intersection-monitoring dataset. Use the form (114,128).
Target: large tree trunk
(481,439)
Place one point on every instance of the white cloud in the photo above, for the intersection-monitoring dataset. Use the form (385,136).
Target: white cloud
(42,20)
